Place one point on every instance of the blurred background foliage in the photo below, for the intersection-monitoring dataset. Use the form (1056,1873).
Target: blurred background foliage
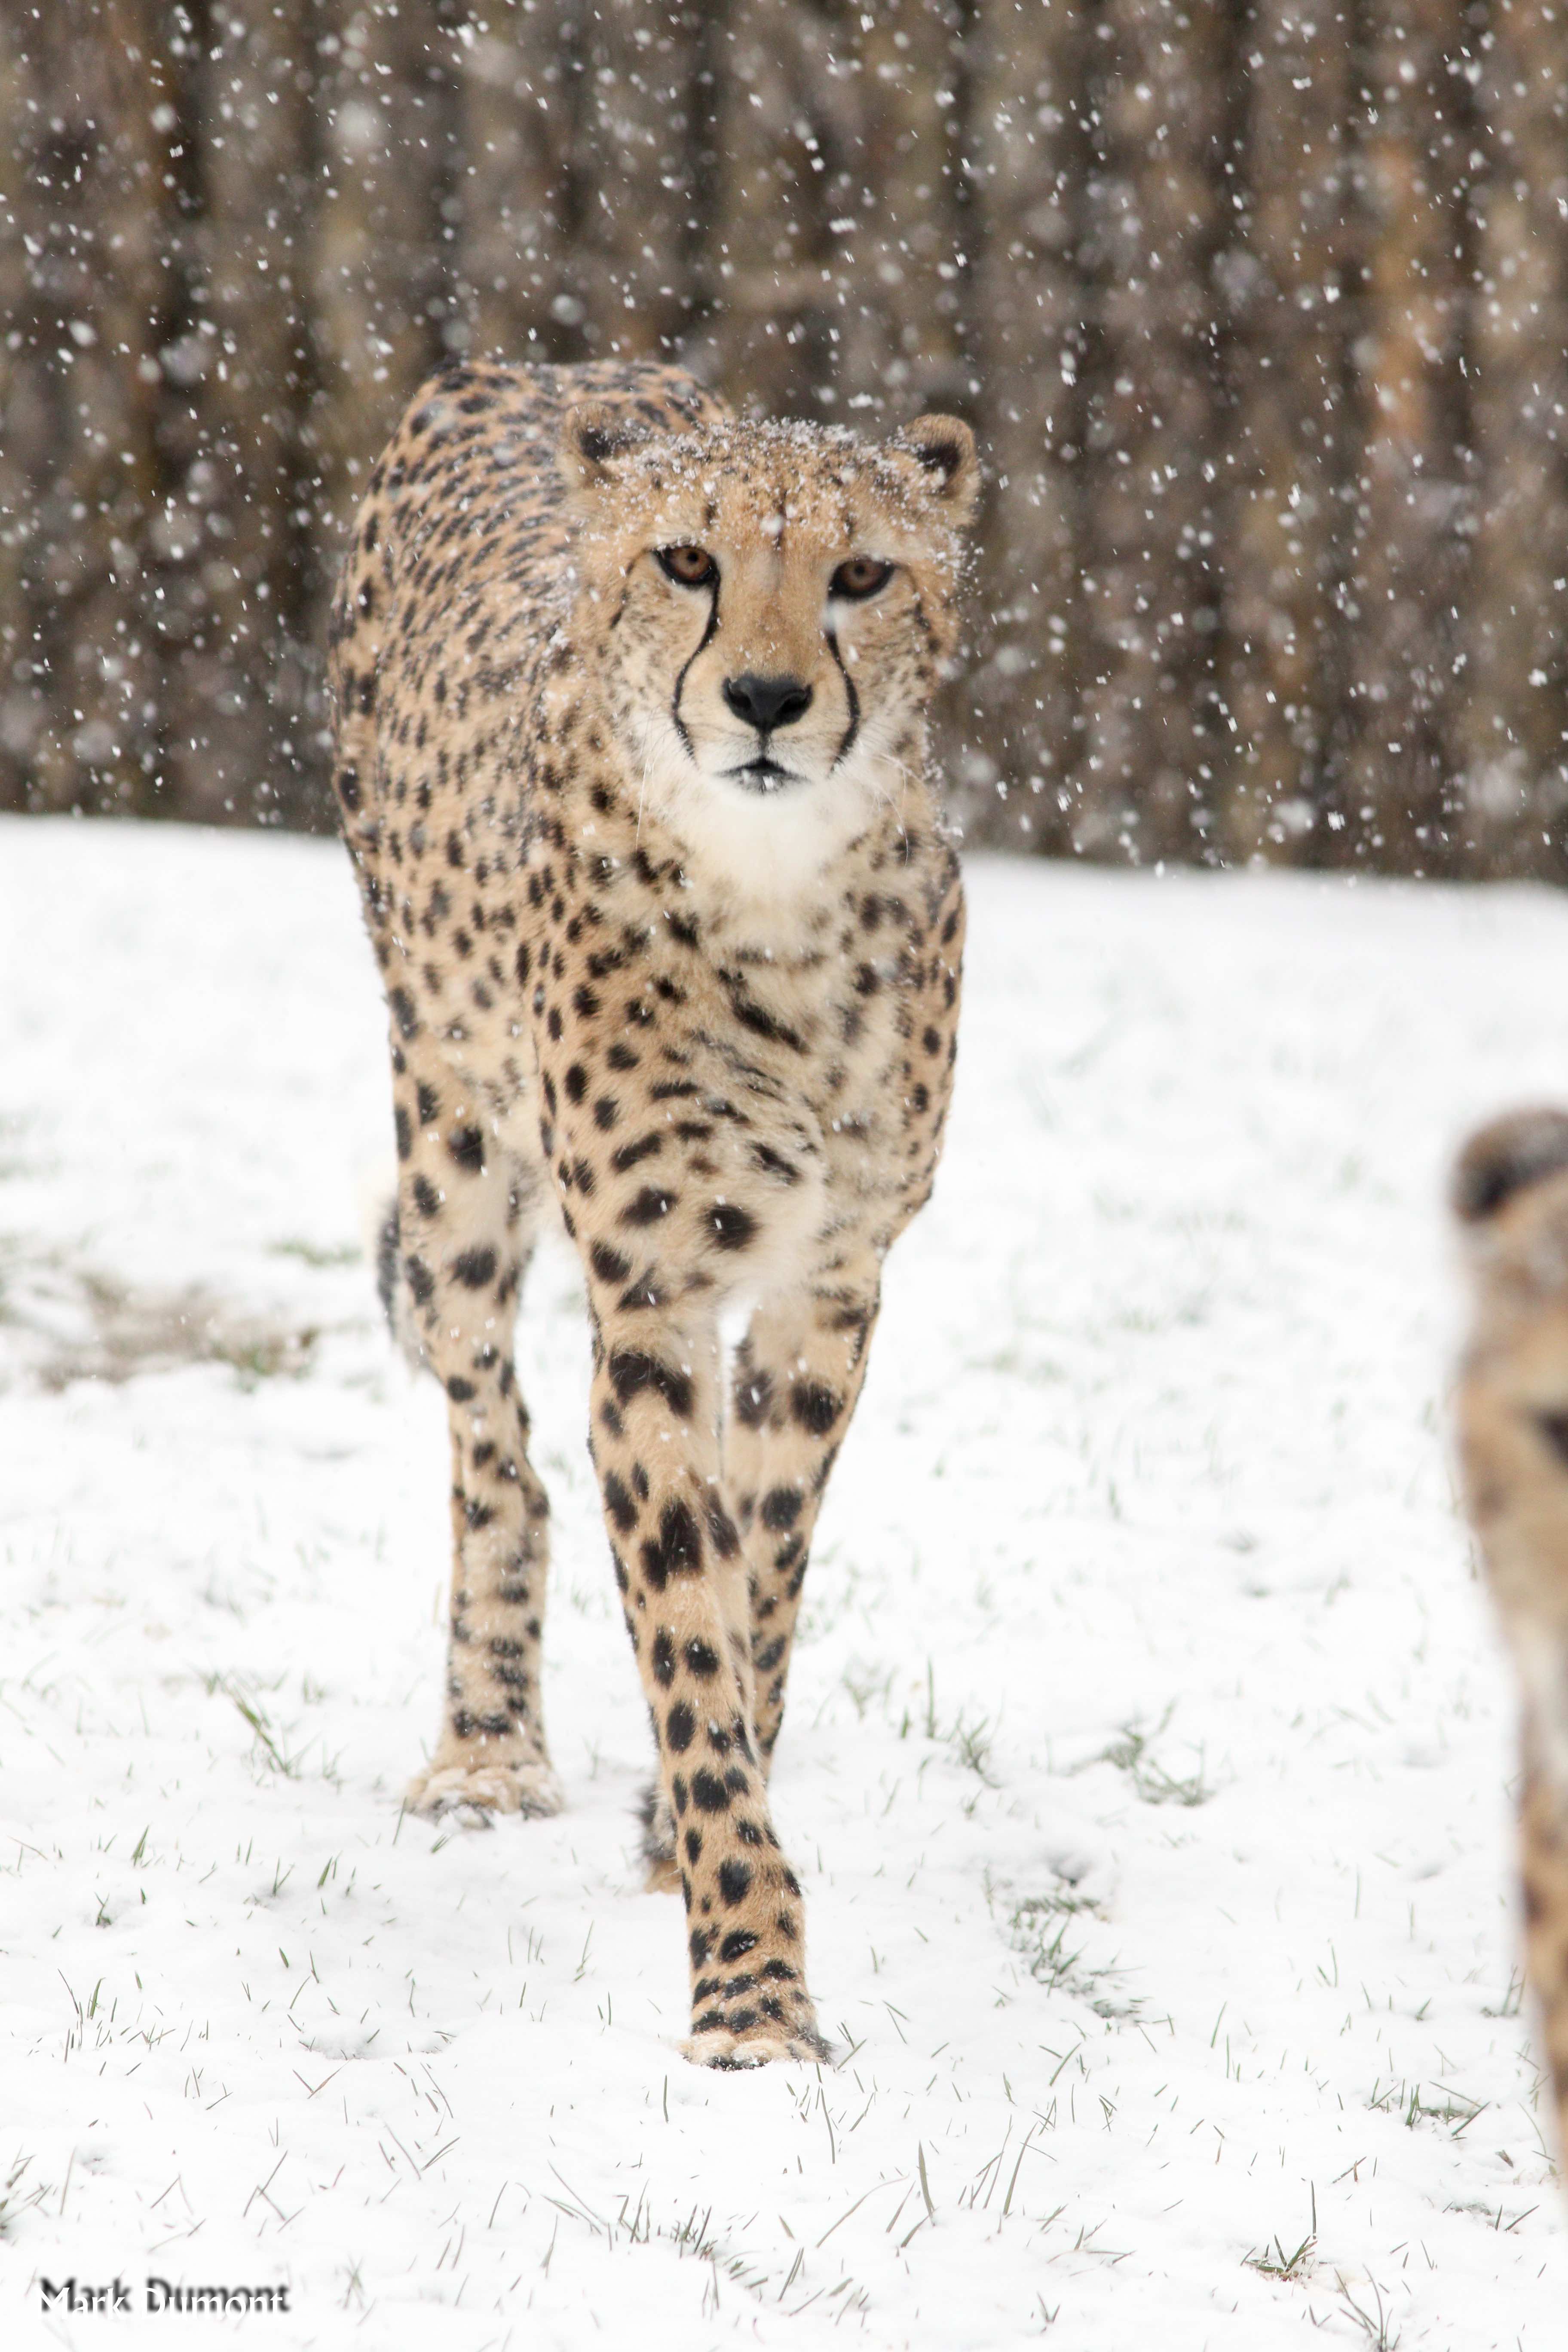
(1261,312)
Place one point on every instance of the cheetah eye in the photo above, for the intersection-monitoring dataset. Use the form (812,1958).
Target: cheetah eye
(862,576)
(690,567)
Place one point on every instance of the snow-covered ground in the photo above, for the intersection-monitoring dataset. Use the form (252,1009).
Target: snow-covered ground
(1147,1752)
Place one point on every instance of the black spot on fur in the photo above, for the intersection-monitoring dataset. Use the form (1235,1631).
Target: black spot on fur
(677,1550)
(680,1727)
(631,1371)
(772,1163)
(388,1243)
(619,1503)
(763,1024)
(731,1226)
(815,1407)
(721,1529)
(630,1153)
(650,1205)
(474,1267)
(781,1507)
(734,1882)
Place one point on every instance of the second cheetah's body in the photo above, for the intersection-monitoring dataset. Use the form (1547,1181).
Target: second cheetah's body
(630,704)
(1510,1193)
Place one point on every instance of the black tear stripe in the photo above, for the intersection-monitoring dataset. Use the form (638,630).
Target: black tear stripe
(620,608)
(701,646)
(854,727)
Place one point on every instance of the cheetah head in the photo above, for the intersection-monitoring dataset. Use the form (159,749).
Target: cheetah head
(768,607)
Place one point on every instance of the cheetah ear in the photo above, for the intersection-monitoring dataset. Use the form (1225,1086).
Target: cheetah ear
(944,448)
(592,436)
(1507,1156)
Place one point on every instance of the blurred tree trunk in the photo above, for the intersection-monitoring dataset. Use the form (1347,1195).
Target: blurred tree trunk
(1158,202)
(1029,156)
(1260,313)
(1409,555)
(894,191)
(386,121)
(1512,748)
(1292,454)
(517,86)
(85,162)
(231,532)
(771,330)
(632,256)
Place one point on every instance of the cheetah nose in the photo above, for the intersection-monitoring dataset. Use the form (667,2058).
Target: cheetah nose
(768,702)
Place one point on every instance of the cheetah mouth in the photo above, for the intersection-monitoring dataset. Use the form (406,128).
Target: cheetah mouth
(764,776)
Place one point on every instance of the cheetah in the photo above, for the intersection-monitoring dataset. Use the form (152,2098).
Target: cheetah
(630,709)
(1510,1196)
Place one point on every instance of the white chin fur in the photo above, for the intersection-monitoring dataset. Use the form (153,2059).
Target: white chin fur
(765,847)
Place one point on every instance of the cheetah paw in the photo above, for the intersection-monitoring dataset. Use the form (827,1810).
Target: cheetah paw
(734,2054)
(478,1792)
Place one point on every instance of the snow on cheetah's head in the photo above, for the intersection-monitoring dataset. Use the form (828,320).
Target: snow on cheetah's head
(769,607)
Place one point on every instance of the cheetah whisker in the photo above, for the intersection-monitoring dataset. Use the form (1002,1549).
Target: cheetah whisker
(896,808)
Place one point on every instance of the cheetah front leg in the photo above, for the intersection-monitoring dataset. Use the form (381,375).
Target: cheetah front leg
(463,1234)
(797,1378)
(681,1574)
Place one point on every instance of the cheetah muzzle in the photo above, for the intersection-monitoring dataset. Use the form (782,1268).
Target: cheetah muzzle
(630,706)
